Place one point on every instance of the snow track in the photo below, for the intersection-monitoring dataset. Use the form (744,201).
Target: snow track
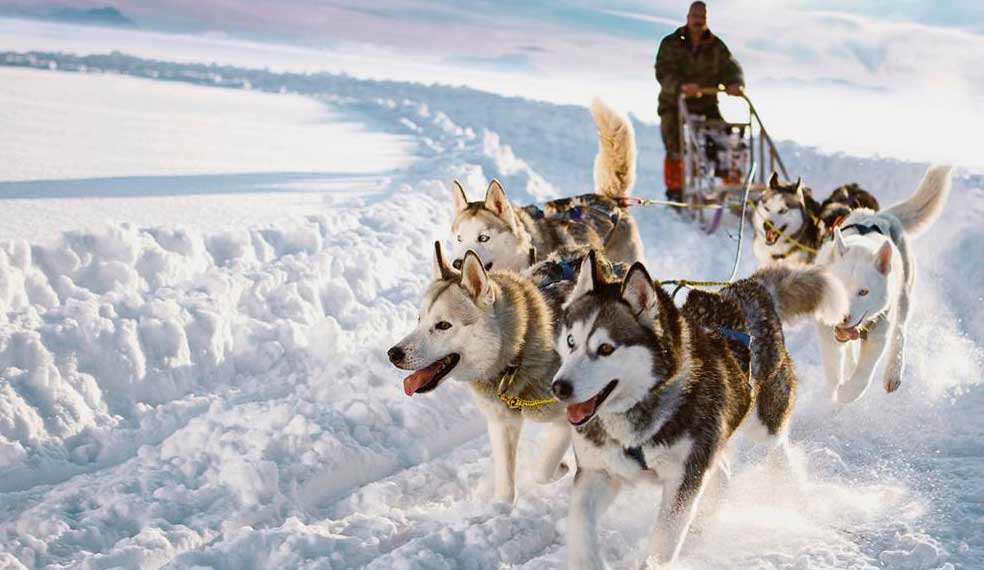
(186,399)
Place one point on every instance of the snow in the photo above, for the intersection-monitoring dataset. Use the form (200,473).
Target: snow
(137,149)
(187,396)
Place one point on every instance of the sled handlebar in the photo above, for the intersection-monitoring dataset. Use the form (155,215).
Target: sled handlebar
(712,91)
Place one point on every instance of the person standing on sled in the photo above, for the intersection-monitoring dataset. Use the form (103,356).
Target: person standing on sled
(689,59)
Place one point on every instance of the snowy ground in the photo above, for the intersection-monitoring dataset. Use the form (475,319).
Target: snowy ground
(182,397)
(81,149)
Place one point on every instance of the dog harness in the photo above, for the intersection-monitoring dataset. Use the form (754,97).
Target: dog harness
(863,229)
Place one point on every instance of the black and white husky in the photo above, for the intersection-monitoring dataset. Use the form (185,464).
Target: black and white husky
(655,392)
(790,224)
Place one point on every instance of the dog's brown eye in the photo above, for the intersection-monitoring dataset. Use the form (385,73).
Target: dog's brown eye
(570,341)
(783,211)
(483,238)
(862,292)
(605,349)
(442,326)
(457,264)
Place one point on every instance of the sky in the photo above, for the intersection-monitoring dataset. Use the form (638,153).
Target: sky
(904,73)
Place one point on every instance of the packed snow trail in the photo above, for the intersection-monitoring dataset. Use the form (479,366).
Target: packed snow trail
(182,399)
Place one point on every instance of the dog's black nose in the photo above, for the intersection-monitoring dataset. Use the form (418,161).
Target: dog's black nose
(396,355)
(562,389)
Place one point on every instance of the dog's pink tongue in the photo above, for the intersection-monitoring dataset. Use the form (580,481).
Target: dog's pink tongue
(576,413)
(420,378)
(844,335)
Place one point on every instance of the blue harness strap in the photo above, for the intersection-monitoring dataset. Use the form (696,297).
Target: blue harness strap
(863,229)
(534,211)
(739,336)
(566,270)
(636,454)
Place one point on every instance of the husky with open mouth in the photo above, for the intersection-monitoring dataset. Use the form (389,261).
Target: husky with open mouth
(787,217)
(871,256)
(503,234)
(655,392)
(494,330)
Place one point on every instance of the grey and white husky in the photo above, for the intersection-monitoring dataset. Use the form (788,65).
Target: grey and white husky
(494,330)
(503,235)
(655,392)
(871,256)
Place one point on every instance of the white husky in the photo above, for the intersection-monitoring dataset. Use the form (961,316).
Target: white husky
(871,256)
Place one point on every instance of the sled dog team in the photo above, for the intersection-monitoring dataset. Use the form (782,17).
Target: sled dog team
(550,316)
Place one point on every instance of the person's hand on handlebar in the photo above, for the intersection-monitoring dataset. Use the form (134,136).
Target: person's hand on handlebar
(733,89)
(690,89)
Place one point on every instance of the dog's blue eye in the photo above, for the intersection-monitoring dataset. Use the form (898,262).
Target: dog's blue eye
(570,341)
(862,292)
(483,238)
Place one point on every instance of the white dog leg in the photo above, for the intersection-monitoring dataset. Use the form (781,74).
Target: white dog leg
(676,512)
(896,352)
(594,490)
(871,351)
(717,486)
(832,356)
(504,433)
(558,441)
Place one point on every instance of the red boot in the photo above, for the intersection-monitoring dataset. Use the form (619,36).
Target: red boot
(673,178)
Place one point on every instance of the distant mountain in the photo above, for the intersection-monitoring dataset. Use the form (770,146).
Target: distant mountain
(106,16)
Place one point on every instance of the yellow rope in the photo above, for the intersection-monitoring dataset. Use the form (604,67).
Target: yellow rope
(689,283)
(516,403)
(649,201)
(788,238)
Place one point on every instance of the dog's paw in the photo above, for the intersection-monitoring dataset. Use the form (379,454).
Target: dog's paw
(502,506)
(892,382)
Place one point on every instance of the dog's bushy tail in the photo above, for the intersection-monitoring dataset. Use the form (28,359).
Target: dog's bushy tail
(804,290)
(924,207)
(615,165)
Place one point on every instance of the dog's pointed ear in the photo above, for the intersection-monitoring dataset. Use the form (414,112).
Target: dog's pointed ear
(799,190)
(587,279)
(498,203)
(441,268)
(774,181)
(840,248)
(883,258)
(638,289)
(475,280)
(459,197)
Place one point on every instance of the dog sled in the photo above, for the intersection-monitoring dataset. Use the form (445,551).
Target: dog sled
(717,157)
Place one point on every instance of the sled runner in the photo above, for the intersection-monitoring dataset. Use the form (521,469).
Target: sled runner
(717,155)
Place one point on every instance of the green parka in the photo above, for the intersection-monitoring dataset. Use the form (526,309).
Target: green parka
(709,65)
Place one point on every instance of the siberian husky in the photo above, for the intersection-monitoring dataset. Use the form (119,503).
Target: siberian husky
(503,234)
(871,256)
(655,392)
(494,330)
(791,209)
